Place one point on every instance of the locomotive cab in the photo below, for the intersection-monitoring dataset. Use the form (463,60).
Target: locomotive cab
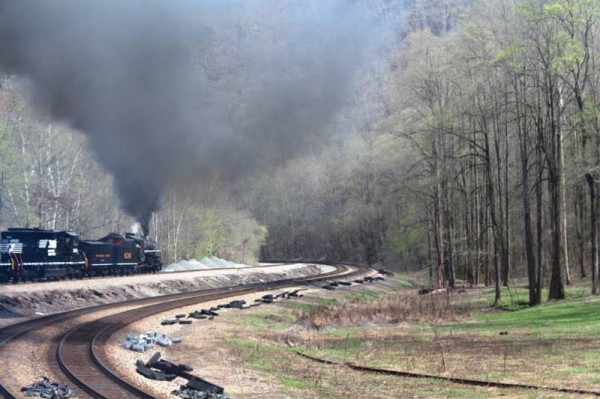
(37,254)
(150,255)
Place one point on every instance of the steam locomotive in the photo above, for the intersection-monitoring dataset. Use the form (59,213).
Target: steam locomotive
(36,254)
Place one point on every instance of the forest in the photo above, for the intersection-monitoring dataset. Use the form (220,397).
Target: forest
(467,147)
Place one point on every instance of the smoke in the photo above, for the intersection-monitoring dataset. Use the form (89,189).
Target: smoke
(167,91)
(135,228)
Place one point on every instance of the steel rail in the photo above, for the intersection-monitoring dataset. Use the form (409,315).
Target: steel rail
(456,380)
(10,333)
(110,385)
(13,331)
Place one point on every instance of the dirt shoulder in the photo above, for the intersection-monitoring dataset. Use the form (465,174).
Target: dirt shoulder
(25,300)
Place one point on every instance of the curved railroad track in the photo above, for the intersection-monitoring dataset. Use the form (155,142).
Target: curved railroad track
(50,280)
(80,354)
(456,380)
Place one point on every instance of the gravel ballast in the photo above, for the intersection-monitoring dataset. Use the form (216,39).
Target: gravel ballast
(57,296)
(200,347)
(203,331)
(32,361)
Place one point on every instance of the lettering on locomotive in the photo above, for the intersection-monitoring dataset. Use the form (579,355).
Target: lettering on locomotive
(37,254)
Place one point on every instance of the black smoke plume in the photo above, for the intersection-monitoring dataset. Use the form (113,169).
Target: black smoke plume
(167,91)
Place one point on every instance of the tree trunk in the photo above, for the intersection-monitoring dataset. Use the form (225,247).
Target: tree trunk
(437,219)
(430,253)
(539,211)
(557,289)
(499,215)
(449,272)
(593,231)
(527,211)
(579,227)
(477,222)
(563,207)
(491,198)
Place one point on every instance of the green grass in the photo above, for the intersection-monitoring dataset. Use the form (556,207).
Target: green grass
(575,317)
(345,331)
(511,298)
(459,392)
(560,334)
(401,281)
(308,306)
(350,346)
(363,295)
(257,346)
(255,320)
(256,352)
(272,320)
(298,384)
(270,358)
(517,297)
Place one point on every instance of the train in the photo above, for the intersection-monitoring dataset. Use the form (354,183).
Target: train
(34,254)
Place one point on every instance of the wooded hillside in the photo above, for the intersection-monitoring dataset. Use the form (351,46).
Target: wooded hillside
(485,167)
(467,147)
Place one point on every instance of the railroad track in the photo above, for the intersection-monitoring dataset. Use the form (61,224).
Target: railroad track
(80,353)
(230,269)
(456,380)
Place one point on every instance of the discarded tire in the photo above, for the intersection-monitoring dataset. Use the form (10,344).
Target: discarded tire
(143,342)
(162,370)
(48,389)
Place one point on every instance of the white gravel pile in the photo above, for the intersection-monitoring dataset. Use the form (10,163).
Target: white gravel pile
(205,263)
(222,262)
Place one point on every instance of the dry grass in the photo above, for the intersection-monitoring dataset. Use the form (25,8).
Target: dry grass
(394,309)
(436,334)
(433,334)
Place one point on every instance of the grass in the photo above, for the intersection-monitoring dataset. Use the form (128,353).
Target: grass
(362,295)
(555,344)
(402,281)
(298,384)
(308,306)
(579,317)
(517,297)
(272,321)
